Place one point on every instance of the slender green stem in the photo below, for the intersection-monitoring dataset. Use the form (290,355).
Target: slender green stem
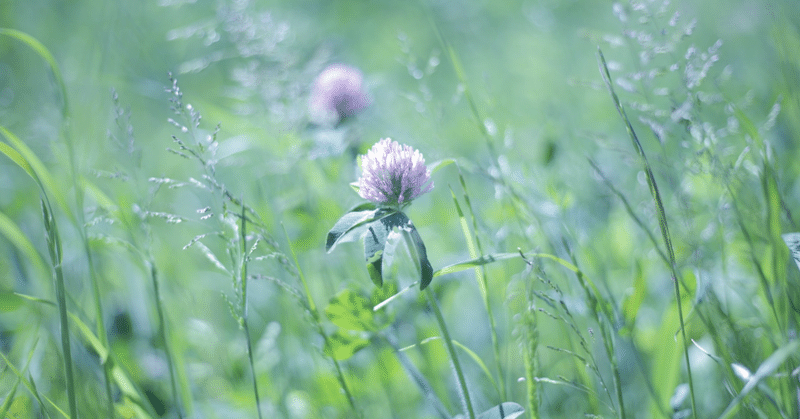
(101,328)
(45,54)
(609,337)
(252,366)
(243,279)
(602,311)
(316,318)
(417,376)
(476,250)
(662,218)
(465,399)
(56,257)
(162,326)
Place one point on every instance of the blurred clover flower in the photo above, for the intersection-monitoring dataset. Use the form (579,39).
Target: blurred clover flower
(337,93)
(393,174)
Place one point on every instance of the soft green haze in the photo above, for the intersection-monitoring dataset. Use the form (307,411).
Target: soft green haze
(570,213)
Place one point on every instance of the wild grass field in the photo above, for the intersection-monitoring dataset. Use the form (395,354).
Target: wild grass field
(199,217)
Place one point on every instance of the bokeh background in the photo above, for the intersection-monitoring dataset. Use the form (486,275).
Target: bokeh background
(509,89)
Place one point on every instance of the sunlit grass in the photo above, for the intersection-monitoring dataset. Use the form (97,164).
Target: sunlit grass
(564,273)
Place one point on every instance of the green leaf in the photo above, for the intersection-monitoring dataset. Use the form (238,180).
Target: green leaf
(351,311)
(379,295)
(341,345)
(356,217)
(507,410)
(426,270)
(375,242)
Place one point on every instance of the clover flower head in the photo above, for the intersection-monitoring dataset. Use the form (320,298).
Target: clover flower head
(338,92)
(393,174)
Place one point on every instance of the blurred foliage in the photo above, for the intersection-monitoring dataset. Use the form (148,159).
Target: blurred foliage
(511,91)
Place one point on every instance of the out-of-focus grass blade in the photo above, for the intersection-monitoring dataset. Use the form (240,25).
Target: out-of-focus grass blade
(468,351)
(17,158)
(35,299)
(507,410)
(438,165)
(24,157)
(473,251)
(43,52)
(13,233)
(486,259)
(483,260)
(10,396)
(31,387)
(765,369)
(90,338)
(121,378)
(480,363)
(101,198)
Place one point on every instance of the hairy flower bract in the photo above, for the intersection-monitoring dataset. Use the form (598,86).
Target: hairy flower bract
(393,174)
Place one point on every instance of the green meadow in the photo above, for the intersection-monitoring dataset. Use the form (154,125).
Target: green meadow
(192,223)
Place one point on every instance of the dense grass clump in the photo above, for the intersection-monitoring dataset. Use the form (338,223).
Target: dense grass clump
(344,209)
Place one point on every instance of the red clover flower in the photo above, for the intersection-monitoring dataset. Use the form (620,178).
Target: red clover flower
(337,93)
(393,174)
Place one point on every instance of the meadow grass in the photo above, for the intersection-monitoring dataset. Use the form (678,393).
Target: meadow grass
(188,274)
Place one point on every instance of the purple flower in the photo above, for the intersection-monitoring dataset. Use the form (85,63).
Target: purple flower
(393,174)
(337,93)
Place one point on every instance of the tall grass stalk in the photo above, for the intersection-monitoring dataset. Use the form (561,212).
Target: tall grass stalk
(462,383)
(57,257)
(423,384)
(662,218)
(21,155)
(162,327)
(481,276)
(78,217)
(244,307)
(315,316)
(465,399)
(529,344)
(605,318)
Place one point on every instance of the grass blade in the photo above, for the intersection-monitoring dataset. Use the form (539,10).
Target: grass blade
(765,369)
(13,233)
(45,54)
(662,218)
(56,257)
(25,158)
(32,387)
